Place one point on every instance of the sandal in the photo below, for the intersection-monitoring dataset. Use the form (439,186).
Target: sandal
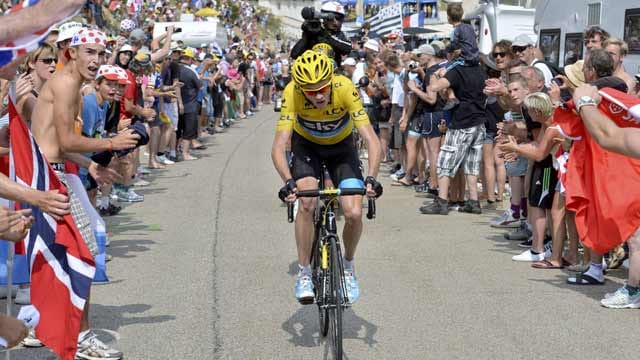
(584,279)
(546,264)
(400,183)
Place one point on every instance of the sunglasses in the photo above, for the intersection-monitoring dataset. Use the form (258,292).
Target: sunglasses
(323,90)
(48,61)
(517,49)
(499,54)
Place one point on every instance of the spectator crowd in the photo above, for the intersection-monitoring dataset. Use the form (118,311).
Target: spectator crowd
(143,104)
(471,133)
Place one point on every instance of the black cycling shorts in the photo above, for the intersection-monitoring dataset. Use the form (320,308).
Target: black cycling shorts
(542,187)
(341,159)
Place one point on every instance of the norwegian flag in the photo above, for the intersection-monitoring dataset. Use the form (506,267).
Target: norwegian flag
(11,50)
(60,263)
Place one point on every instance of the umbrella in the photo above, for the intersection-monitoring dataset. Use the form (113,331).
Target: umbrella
(207,12)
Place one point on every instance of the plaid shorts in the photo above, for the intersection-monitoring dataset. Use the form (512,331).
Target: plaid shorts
(80,217)
(461,146)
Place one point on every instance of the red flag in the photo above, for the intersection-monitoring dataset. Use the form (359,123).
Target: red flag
(61,265)
(603,187)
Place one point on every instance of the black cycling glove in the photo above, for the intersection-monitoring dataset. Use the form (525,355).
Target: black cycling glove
(377,187)
(287,189)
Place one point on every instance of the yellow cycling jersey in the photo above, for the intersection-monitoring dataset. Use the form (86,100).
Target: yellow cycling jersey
(326,126)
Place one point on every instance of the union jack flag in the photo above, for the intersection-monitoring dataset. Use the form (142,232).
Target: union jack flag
(60,263)
(12,50)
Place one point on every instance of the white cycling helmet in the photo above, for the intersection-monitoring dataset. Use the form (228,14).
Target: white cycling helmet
(127,25)
(333,7)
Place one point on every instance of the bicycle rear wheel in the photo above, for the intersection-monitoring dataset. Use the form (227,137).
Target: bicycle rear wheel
(337,297)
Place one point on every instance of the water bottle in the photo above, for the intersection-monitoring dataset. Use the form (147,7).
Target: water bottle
(101,267)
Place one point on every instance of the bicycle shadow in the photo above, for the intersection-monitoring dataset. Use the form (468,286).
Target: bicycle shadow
(304,328)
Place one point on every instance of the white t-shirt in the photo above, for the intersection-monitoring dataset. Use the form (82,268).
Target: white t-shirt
(358,73)
(397,95)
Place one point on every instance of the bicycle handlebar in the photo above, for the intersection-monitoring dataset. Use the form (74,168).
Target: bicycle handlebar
(323,194)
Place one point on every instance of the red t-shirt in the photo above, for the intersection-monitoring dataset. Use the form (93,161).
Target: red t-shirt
(130,92)
(603,188)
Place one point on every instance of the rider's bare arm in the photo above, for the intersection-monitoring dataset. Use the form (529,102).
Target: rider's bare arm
(278,153)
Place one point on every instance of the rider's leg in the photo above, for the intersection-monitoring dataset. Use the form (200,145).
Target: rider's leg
(304,220)
(352,209)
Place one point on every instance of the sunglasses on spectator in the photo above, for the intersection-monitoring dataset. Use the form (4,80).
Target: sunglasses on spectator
(499,54)
(48,61)
(517,49)
(323,90)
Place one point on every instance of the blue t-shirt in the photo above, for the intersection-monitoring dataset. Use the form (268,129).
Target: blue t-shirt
(93,116)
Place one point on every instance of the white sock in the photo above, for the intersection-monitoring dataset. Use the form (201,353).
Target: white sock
(82,335)
(104,202)
(304,270)
(595,271)
(172,153)
(349,265)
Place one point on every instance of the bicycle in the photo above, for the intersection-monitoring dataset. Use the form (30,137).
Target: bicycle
(326,259)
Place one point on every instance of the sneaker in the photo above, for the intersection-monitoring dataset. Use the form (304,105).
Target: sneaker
(432,193)
(528,256)
(527,243)
(505,221)
(621,300)
(220,129)
(304,289)
(129,196)
(455,205)
(138,182)
(163,160)
(23,296)
(422,188)
(91,348)
(173,158)
(398,175)
(522,233)
(351,283)
(31,340)
(143,170)
(438,206)
(625,264)
(472,207)
(110,210)
(395,167)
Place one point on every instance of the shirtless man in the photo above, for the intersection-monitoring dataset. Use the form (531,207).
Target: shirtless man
(53,128)
(618,50)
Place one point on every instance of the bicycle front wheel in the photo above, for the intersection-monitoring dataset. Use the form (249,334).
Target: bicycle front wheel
(337,295)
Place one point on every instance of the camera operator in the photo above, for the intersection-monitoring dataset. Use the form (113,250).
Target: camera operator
(328,31)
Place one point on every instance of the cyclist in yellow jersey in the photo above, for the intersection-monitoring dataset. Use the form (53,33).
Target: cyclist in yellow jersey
(319,111)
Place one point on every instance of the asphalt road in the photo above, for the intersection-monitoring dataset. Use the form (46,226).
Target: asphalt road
(205,268)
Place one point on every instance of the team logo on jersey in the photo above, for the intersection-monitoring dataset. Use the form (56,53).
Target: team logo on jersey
(359,113)
(325,128)
(286,117)
(334,111)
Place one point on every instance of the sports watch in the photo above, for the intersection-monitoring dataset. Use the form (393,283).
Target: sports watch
(585,101)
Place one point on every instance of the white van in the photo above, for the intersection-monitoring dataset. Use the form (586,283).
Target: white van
(561,25)
(193,34)
(497,20)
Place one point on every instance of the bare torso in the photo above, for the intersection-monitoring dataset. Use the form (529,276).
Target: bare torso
(628,79)
(43,122)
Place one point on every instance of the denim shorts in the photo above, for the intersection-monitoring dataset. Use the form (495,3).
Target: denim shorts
(517,167)
(489,138)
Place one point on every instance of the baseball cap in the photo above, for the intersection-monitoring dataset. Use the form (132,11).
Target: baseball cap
(522,40)
(122,75)
(108,72)
(67,30)
(438,45)
(349,62)
(188,52)
(137,35)
(372,44)
(424,49)
(87,36)
(125,47)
